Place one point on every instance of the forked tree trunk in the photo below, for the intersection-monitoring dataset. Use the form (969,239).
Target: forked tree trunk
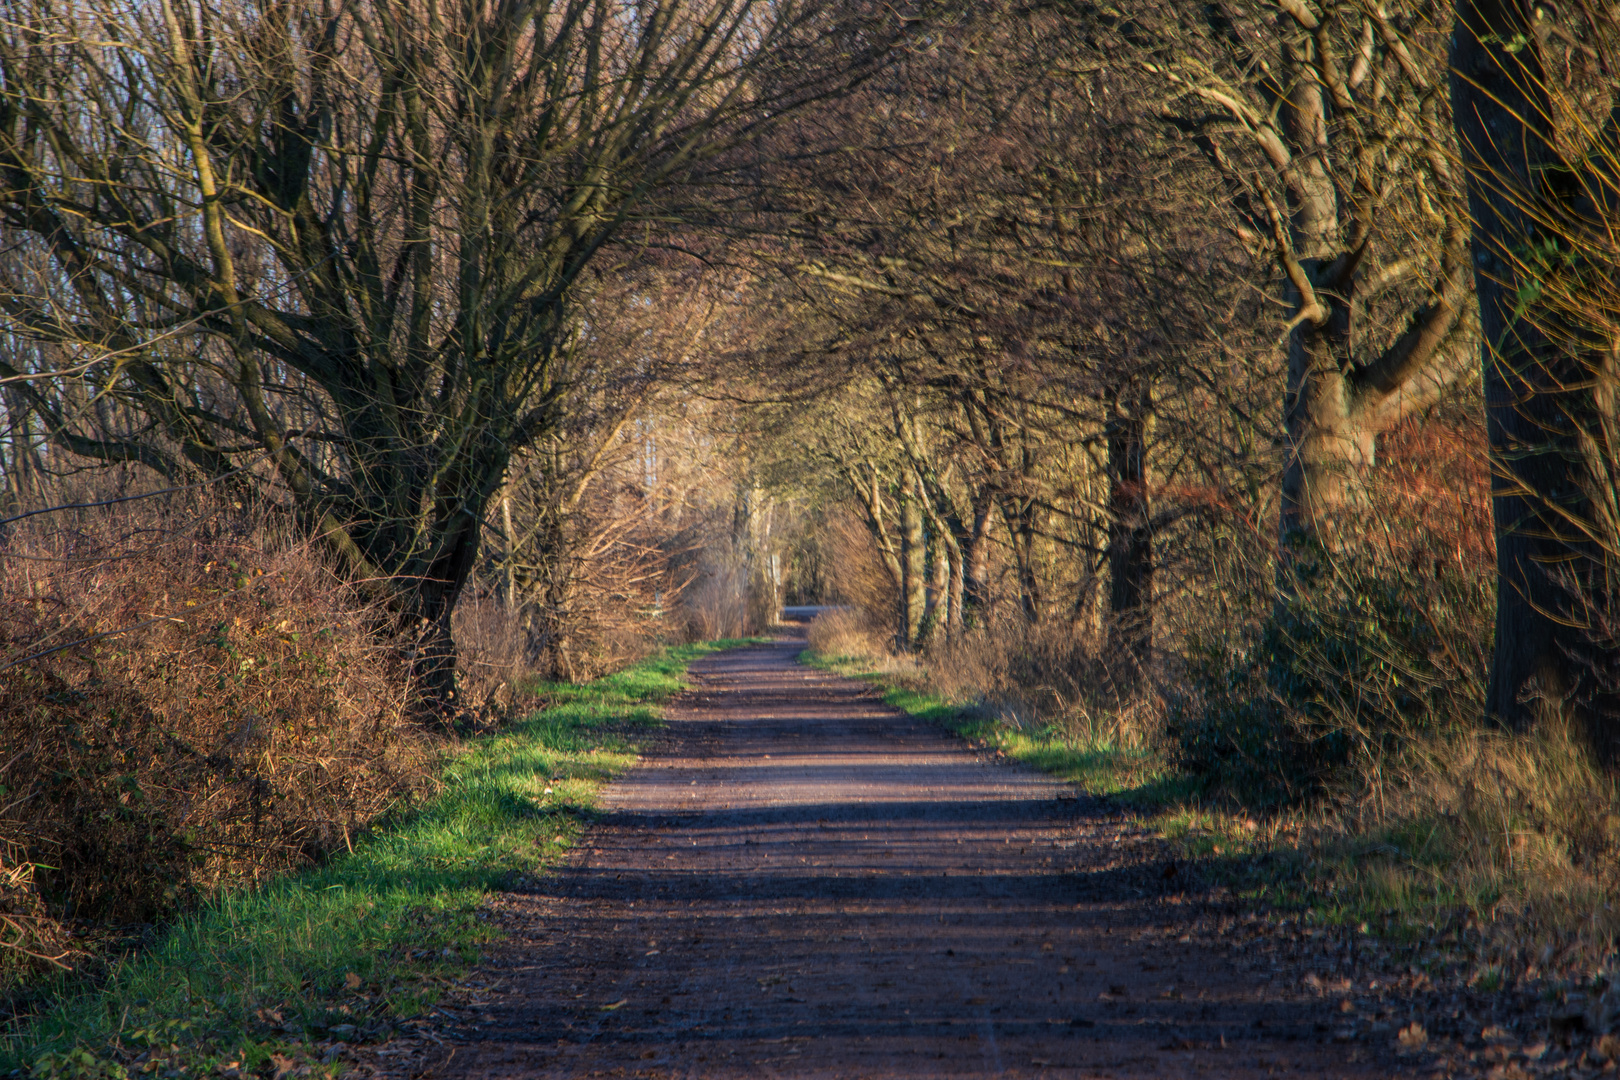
(1336,402)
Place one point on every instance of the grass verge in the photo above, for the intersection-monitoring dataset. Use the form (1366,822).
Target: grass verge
(274,979)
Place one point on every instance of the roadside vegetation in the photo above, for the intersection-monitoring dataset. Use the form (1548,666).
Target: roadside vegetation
(286,973)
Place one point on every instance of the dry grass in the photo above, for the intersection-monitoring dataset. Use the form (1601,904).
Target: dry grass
(847,631)
(1044,682)
(186,702)
(1520,833)
(26,929)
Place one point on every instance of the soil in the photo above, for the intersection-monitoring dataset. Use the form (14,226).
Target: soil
(799,881)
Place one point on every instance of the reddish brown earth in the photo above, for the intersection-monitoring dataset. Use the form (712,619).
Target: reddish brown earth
(798,881)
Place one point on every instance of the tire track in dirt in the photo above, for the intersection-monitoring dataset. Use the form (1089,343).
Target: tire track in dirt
(798,881)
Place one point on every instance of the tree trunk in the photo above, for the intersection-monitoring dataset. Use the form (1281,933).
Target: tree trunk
(1019,514)
(1329,450)
(1130,546)
(1539,392)
(953,584)
(976,568)
(434,665)
(1327,453)
(913,556)
(936,607)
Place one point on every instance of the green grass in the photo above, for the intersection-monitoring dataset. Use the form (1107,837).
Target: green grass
(344,950)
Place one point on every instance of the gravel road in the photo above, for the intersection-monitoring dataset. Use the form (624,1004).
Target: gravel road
(798,881)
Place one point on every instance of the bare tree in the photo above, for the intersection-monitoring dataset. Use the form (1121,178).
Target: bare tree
(346,236)
(1326,128)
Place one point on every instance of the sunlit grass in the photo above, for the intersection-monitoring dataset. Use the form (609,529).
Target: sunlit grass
(341,951)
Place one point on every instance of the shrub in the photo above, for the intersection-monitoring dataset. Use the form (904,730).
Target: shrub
(185,702)
(1357,657)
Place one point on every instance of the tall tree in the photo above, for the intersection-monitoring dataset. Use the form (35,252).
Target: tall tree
(345,236)
(1324,125)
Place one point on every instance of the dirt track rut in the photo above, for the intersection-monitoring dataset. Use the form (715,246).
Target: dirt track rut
(801,882)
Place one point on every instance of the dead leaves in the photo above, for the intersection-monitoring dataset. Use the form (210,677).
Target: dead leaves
(1412,1039)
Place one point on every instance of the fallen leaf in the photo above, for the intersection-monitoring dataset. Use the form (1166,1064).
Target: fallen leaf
(1496,1034)
(352,980)
(1412,1038)
(1536,1052)
(283,1065)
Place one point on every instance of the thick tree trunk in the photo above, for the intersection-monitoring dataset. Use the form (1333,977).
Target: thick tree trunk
(1538,388)
(1130,547)
(913,564)
(434,664)
(1330,448)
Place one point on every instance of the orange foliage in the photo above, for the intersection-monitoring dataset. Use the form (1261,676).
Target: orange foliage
(1434,480)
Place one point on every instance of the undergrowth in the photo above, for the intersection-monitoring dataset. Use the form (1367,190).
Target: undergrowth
(277,977)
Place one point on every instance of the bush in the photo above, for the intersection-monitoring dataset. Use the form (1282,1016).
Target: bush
(1357,658)
(182,706)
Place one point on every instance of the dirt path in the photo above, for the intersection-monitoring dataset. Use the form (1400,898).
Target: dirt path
(801,882)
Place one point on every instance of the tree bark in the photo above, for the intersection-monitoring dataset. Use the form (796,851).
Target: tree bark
(913,563)
(976,564)
(1130,547)
(1542,376)
(937,603)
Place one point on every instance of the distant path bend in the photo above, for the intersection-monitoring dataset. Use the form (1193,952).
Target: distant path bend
(802,882)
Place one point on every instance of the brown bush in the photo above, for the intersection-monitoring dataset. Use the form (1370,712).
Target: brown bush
(184,706)
(846,632)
